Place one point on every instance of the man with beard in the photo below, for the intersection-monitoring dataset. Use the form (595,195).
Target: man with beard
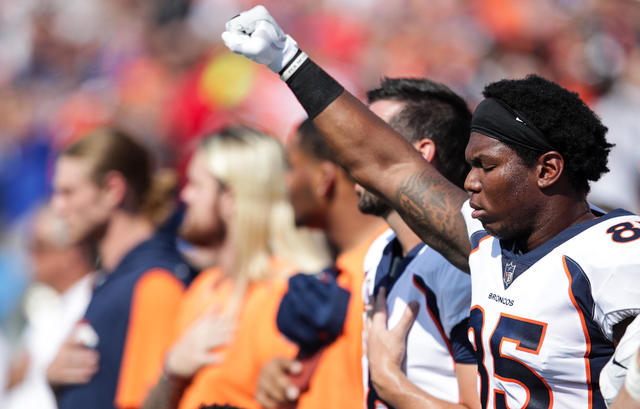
(439,364)
(106,192)
(236,208)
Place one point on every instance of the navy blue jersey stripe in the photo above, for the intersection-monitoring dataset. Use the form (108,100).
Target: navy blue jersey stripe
(600,348)
(463,352)
(392,251)
(392,254)
(432,305)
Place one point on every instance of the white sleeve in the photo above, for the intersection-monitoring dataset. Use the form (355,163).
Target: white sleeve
(608,253)
(614,372)
(618,297)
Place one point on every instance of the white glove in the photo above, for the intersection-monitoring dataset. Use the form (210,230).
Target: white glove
(256,35)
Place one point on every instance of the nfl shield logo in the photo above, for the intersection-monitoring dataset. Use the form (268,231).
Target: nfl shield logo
(509,271)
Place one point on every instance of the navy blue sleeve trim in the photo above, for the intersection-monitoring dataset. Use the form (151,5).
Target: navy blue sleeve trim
(476,237)
(463,352)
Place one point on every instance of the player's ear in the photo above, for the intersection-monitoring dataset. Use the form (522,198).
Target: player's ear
(327,174)
(427,148)
(114,187)
(550,167)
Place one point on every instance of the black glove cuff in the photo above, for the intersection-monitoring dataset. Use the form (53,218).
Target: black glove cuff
(313,87)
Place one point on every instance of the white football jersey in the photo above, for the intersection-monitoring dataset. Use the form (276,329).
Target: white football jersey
(443,294)
(542,322)
(614,372)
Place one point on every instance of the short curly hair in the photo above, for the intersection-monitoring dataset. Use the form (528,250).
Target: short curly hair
(566,121)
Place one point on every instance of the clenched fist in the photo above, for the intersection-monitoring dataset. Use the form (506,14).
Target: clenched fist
(257,36)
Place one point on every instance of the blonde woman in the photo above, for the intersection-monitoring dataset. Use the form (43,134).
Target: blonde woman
(236,205)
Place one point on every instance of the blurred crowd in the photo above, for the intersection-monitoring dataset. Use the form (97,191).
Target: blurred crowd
(157,69)
(157,66)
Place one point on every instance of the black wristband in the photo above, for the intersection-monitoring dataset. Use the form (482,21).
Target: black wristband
(314,88)
(290,65)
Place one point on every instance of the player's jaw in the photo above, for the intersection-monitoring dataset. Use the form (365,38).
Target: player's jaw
(368,203)
(202,231)
(505,222)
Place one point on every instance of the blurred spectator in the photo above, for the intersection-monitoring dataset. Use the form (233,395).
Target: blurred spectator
(155,67)
(53,306)
(236,206)
(619,109)
(325,325)
(110,198)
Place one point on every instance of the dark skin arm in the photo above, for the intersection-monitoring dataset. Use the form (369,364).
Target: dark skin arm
(385,163)
(375,156)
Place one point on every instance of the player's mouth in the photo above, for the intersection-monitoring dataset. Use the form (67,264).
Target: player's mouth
(478,211)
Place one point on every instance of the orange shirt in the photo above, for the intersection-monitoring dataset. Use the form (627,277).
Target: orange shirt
(132,310)
(153,309)
(337,380)
(255,342)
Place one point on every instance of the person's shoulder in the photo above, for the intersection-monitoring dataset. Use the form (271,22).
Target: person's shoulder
(374,253)
(207,280)
(615,233)
(605,247)
(352,259)
(382,239)
(270,288)
(158,252)
(437,270)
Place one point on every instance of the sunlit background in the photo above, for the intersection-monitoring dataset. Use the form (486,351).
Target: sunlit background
(158,69)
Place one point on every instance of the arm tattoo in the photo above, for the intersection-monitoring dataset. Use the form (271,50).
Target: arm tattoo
(432,208)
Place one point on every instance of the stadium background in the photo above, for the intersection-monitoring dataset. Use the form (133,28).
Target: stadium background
(158,69)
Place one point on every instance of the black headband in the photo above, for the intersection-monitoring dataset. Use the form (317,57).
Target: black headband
(495,119)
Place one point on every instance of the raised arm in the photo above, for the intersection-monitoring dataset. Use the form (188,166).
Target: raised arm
(384,162)
(376,156)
